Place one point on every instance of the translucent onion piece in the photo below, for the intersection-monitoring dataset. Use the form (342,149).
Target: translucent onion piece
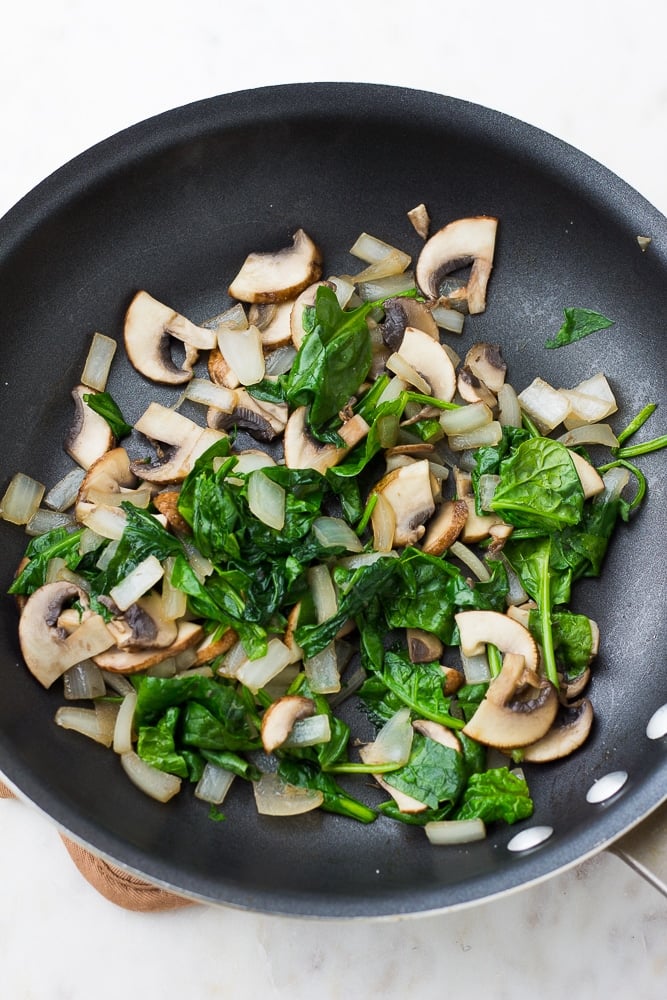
(544,404)
(448,319)
(344,290)
(322,670)
(249,461)
(107,713)
(366,559)
(266,500)
(465,418)
(54,568)
(235,318)
(280,361)
(157,784)
(615,481)
(98,362)
(117,682)
(509,409)
(140,580)
(486,487)
(22,499)
(108,522)
(324,593)
(256,673)
(46,520)
(174,601)
(397,364)
(586,409)
(122,734)
(490,434)
(63,494)
(165,668)
(476,668)
(214,784)
(372,250)
(393,743)
(383,522)
(368,291)
(454,831)
(83,680)
(275,797)
(309,732)
(469,559)
(590,434)
(333,532)
(202,390)
(242,350)
(392,390)
(234,658)
(90,540)
(200,565)
(84,721)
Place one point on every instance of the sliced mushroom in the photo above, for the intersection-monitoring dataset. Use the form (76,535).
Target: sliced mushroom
(279,718)
(445,527)
(105,480)
(454,679)
(478,628)
(303,452)
(438,733)
(273,320)
(408,491)
(477,526)
(143,626)
(431,361)
(219,370)
(122,661)
(420,219)
(89,436)
(406,803)
(181,435)
(49,650)
(306,298)
(590,479)
(513,713)
(569,731)
(265,421)
(280,275)
(571,689)
(486,362)
(456,245)
(472,389)
(149,327)
(211,648)
(167,503)
(423,647)
(402,312)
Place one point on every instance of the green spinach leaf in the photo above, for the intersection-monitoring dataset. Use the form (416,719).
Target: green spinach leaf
(578,323)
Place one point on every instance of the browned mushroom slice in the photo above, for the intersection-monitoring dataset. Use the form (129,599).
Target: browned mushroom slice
(149,327)
(279,718)
(402,312)
(122,661)
(50,650)
(167,503)
(445,527)
(420,219)
(279,275)
(89,436)
(408,491)
(472,389)
(456,245)
(429,358)
(486,362)
(303,452)
(143,626)
(219,370)
(423,647)
(185,441)
(273,320)
(569,731)
(438,733)
(265,421)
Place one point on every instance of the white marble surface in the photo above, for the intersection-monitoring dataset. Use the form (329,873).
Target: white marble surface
(72,73)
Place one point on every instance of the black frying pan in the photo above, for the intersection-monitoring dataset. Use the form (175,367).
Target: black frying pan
(173,205)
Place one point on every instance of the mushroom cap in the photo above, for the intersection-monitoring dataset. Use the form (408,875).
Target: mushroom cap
(49,650)
(445,527)
(423,647)
(486,362)
(278,275)
(429,358)
(280,716)
(149,325)
(302,451)
(478,628)
(123,661)
(89,436)
(437,732)
(462,242)
(408,491)
(569,731)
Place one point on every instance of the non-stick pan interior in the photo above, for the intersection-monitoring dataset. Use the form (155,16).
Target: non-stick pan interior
(173,206)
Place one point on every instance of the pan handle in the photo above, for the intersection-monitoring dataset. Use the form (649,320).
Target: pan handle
(644,848)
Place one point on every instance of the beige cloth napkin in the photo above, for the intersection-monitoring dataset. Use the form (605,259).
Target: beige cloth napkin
(113,883)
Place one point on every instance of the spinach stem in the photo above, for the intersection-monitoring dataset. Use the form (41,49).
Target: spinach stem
(530,426)
(548,653)
(495,659)
(637,422)
(641,449)
(641,479)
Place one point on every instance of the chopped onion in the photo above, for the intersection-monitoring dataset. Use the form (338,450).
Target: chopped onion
(397,364)
(324,593)
(22,499)
(114,498)
(43,521)
(63,495)
(117,682)
(266,500)
(509,408)
(138,581)
(469,559)
(344,289)
(248,461)
(309,732)
(489,434)
(334,532)
(366,559)
(158,784)
(98,362)
(256,673)
(448,319)
(235,318)
(109,522)
(589,434)
(383,522)
(385,287)
(454,831)
(280,361)
(322,671)
(585,409)
(174,601)
(90,541)
(275,797)
(393,743)
(200,565)
(202,390)
(214,784)
(544,404)
(122,734)
(83,680)
(486,487)
(615,481)
(242,350)
(476,668)
(85,721)
(465,418)
(392,390)
(234,658)
(164,668)
(374,251)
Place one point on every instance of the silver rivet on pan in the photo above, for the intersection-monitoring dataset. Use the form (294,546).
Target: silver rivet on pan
(532,837)
(603,788)
(657,724)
